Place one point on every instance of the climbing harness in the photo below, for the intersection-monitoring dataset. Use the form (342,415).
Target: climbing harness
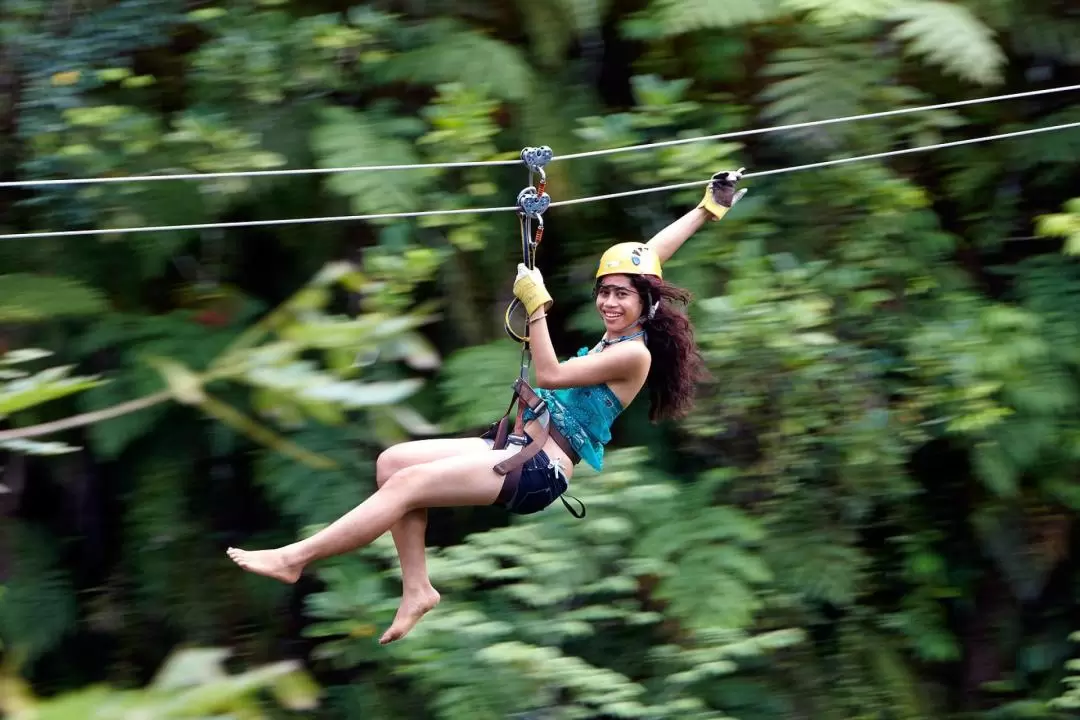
(532,201)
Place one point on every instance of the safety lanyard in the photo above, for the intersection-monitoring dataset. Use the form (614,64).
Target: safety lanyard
(532,201)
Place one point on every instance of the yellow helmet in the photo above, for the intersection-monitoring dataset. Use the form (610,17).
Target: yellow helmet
(629,258)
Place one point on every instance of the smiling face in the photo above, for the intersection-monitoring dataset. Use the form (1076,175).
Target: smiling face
(618,303)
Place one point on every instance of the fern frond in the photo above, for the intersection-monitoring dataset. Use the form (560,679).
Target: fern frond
(835,12)
(193,682)
(1052,153)
(678,17)
(1069,700)
(949,35)
(345,138)
(1047,37)
(37,606)
(817,566)
(314,497)
(476,383)
(584,15)
(26,298)
(812,83)
(453,52)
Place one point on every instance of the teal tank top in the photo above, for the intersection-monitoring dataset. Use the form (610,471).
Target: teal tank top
(584,415)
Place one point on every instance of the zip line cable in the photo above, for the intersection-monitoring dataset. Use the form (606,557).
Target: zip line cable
(818,165)
(817,123)
(558,158)
(514,208)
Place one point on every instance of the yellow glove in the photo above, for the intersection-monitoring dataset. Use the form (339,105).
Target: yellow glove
(529,289)
(720,196)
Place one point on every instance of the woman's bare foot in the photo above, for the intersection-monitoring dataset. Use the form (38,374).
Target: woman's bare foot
(271,563)
(413,607)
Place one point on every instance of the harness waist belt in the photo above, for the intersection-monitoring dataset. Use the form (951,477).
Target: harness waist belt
(511,467)
(525,396)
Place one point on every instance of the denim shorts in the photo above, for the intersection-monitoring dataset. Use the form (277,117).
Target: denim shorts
(541,483)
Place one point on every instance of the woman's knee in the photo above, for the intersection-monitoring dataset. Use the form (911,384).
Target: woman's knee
(408,482)
(390,461)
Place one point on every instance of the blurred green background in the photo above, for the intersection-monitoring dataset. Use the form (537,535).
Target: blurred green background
(870,514)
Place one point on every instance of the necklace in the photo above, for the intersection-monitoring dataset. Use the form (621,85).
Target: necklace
(604,342)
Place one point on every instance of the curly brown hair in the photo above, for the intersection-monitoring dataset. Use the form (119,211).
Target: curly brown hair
(677,365)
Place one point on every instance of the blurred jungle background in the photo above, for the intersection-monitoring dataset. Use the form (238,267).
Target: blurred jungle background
(870,514)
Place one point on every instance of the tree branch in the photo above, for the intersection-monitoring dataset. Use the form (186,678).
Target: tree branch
(89,418)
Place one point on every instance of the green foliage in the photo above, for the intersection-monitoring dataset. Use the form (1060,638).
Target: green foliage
(565,608)
(28,298)
(446,51)
(193,683)
(951,36)
(22,390)
(1069,700)
(665,18)
(317,497)
(660,104)
(872,498)
(477,384)
(345,139)
(265,56)
(37,605)
(814,83)
(1065,225)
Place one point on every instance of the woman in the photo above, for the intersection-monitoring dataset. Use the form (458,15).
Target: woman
(645,340)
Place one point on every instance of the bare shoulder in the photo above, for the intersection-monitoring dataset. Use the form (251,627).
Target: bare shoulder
(634,354)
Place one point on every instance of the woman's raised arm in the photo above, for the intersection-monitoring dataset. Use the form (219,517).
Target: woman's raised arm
(720,196)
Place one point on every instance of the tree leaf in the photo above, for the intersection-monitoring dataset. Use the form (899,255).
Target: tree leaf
(42,387)
(948,34)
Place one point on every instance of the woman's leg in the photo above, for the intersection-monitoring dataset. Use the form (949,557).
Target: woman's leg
(418,595)
(449,482)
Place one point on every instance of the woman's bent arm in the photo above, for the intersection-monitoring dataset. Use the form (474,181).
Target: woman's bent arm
(618,362)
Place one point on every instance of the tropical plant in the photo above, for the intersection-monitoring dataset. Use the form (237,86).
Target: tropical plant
(870,513)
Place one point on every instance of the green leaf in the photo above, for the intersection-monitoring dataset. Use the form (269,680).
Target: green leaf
(26,298)
(36,447)
(304,382)
(1065,225)
(42,387)
(949,35)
